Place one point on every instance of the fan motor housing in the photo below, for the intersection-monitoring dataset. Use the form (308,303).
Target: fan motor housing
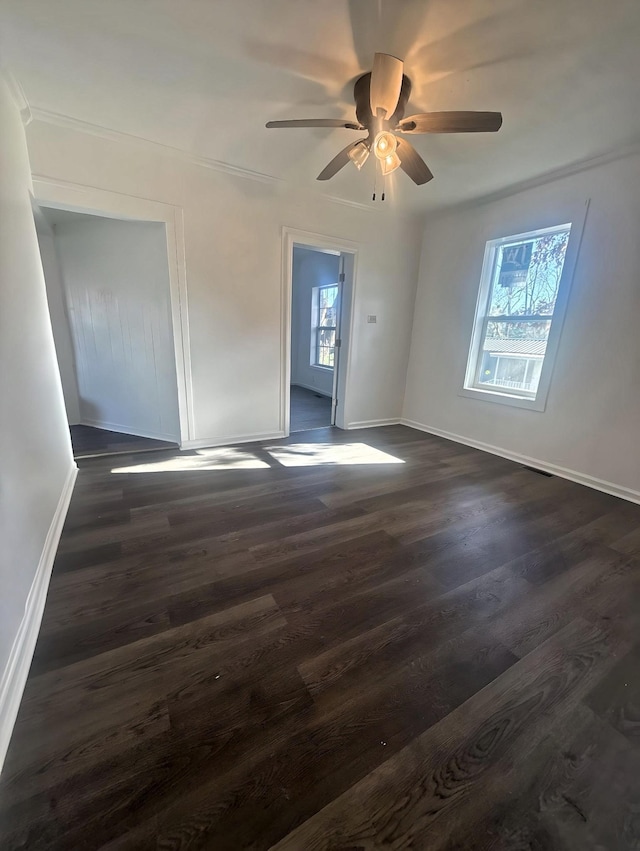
(361,93)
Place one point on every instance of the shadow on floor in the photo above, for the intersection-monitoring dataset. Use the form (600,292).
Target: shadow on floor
(88,441)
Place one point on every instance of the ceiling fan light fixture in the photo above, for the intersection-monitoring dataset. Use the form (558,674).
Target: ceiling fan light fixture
(385,144)
(359,154)
(381,96)
(390,163)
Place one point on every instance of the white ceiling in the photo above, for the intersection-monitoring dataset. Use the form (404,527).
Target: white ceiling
(205,76)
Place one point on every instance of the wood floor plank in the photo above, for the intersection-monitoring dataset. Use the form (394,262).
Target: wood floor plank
(79,641)
(420,795)
(438,653)
(63,760)
(145,663)
(617,698)
(580,769)
(584,589)
(312,762)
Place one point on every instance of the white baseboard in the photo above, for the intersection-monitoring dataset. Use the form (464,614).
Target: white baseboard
(374,423)
(212,442)
(310,387)
(14,676)
(154,435)
(555,469)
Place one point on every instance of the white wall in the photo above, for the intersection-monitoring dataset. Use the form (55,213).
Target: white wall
(591,424)
(59,321)
(310,269)
(116,283)
(233,242)
(36,464)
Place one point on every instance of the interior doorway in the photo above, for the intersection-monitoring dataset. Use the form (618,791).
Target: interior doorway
(319,283)
(108,291)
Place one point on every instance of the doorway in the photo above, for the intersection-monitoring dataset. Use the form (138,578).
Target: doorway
(108,290)
(319,278)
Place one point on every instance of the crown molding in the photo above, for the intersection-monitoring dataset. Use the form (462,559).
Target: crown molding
(47,116)
(359,205)
(17,94)
(628,150)
(59,120)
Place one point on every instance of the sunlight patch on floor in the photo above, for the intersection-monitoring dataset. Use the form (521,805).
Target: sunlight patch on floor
(224,458)
(317,454)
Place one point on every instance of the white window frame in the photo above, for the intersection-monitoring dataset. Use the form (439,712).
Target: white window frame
(315,327)
(537,403)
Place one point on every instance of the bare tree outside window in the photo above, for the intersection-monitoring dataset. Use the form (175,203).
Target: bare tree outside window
(326,313)
(516,318)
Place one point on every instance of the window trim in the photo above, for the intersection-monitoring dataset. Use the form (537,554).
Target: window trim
(539,402)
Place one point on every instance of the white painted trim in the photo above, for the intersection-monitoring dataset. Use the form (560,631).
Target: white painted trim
(212,442)
(47,116)
(290,237)
(576,222)
(322,241)
(127,430)
(622,153)
(370,207)
(555,469)
(14,676)
(309,387)
(374,423)
(17,94)
(533,404)
(60,194)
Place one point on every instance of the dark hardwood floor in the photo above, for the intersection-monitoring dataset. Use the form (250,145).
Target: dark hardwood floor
(89,441)
(308,409)
(257,652)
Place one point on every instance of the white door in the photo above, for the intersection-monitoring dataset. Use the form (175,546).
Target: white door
(338,344)
(343,339)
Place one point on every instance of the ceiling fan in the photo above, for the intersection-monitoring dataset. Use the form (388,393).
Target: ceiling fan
(381,97)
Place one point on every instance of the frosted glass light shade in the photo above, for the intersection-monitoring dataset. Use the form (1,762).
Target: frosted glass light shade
(359,155)
(385,144)
(390,163)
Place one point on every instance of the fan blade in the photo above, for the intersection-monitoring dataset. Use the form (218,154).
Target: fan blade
(386,83)
(412,163)
(315,122)
(451,122)
(337,162)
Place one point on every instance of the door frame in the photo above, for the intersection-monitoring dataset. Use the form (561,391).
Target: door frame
(341,384)
(64,195)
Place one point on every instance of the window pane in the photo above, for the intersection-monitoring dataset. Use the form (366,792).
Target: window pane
(325,329)
(328,296)
(527,275)
(526,331)
(327,316)
(511,369)
(326,337)
(512,354)
(325,356)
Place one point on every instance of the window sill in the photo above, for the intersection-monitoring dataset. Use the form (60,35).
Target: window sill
(323,368)
(537,404)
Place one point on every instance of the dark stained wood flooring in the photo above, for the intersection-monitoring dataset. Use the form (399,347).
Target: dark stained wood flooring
(308,409)
(437,654)
(89,441)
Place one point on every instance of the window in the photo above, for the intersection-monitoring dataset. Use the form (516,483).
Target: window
(522,297)
(323,325)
